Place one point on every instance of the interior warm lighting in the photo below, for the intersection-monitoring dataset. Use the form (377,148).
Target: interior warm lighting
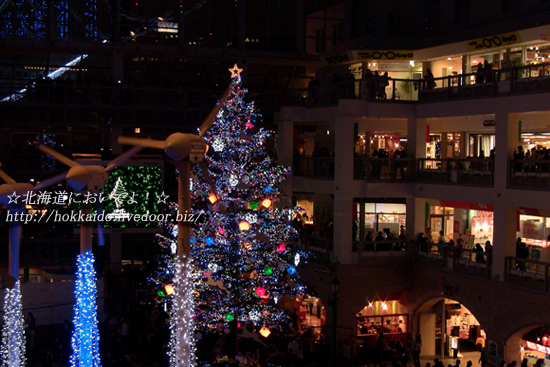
(169,289)
(265,332)
(213,198)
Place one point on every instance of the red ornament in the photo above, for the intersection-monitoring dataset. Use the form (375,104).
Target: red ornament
(221,231)
(260,291)
(249,125)
(281,247)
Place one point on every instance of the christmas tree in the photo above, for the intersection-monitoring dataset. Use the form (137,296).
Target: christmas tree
(243,259)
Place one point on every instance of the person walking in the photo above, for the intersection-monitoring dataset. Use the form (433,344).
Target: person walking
(415,350)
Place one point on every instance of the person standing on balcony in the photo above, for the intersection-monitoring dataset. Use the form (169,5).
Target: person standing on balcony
(488,69)
(430,80)
(479,254)
(480,72)
(441,242)
(522,252)
(519,155)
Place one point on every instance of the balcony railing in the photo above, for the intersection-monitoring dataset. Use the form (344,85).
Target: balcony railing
(384,169)
(503,82)
(531,274)
(394,252)
(474,172)
(529,174)
(321,168)
(465,261)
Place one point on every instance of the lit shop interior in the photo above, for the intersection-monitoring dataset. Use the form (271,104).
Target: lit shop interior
(536,345)
(448,328)
(379,215)
(499,59)
(382,315)
(534,230)
(472,225)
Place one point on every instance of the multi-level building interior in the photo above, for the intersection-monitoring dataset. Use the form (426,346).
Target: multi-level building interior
(376,143)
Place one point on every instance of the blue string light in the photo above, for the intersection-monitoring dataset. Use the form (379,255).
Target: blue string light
(85,338)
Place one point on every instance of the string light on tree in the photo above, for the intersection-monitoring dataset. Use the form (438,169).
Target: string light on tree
(235,250)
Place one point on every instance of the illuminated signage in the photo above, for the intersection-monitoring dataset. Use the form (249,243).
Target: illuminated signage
(385,55)
(167,27)
(538,347)
(493,41)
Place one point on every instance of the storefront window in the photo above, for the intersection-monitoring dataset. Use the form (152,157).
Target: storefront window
(380,217)
(441,219)
(382,316)
(534,230)
(482,228)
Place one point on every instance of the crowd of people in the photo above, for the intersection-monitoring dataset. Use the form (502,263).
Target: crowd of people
(532,157)
(479,253)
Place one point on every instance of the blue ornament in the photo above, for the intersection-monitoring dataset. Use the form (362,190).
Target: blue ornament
(291,270)
(209,241)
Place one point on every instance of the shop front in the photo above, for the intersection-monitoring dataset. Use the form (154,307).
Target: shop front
(382,316)
(534,231)
(471,222)
(535,345)
(372,216)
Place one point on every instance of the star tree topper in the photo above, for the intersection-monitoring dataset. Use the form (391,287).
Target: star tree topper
(235,72)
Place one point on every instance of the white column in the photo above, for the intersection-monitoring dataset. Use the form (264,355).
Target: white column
(412,224)
(458,217)
(416,137)
(343,180)
(285,139)
(505,217)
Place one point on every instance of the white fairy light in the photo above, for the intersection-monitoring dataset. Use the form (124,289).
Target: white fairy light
(218,145)
(254,316)
(213,267)
(233,180)
(296,259)
(182,341)
(251,218)
(13,333)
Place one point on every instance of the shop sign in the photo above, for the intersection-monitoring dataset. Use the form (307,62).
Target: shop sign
(167,27)
(464,329)
(489,123)
(336,59)
(538,347)
(493,41)
(385,55)
(531,230)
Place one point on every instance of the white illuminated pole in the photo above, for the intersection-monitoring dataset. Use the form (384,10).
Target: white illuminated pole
(183,149)
(13,334)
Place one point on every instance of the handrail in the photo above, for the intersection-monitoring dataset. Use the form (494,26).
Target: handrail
(460,260)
